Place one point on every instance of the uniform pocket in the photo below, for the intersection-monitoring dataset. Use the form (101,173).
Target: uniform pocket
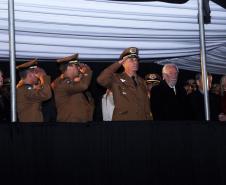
(123,112)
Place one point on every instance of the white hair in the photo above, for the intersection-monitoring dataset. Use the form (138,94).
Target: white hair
(167,66)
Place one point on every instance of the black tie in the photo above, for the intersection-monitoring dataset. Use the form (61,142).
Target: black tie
(134,81)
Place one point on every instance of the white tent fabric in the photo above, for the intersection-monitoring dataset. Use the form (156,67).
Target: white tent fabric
(101,29)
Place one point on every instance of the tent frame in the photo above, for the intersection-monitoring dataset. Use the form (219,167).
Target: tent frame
(12,50)
(203,59)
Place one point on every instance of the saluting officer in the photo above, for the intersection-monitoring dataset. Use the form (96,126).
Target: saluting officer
(33,88)
(129,90)
(73,102)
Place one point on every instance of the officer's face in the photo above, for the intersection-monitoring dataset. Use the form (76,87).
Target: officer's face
(131,64)
(209,83)
(32,77)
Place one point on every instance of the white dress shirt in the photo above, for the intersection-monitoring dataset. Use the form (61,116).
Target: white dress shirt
(107,107)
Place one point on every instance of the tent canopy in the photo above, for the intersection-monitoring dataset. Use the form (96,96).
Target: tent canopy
(101,29)
(219,2)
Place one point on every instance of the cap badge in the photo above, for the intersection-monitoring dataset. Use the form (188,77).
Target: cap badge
(152,76)
(133,50)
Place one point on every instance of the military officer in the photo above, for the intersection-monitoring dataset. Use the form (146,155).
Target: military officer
(33,88)
(152,80)
(73,102)
(129,90)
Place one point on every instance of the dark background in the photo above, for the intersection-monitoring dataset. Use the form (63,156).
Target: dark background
(113,153)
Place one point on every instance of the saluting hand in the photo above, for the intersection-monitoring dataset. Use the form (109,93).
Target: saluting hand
(122,60)
(39,72)
(84,68)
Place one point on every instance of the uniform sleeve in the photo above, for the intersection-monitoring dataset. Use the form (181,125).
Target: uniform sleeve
(106,77)
(42,94)
(146,100)
(77,87)
(147,109)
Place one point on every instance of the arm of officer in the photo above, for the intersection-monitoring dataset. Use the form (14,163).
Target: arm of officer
(80,84)
(41,94)
(106,77)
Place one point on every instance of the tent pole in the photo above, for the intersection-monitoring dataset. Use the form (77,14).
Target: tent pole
(203,59)
(12,58)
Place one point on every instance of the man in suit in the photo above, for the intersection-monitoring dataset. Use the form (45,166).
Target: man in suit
(73,102)
(196,101)
(168,100)
(32,90)
(4,98)
(129,90)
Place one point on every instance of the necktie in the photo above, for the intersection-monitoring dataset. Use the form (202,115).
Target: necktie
(134,81)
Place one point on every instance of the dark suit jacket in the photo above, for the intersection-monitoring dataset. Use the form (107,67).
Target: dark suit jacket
(223,103)
(165,105)
(197,108)
(5,103)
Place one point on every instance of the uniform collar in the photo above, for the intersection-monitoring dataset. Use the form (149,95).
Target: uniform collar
(128,80)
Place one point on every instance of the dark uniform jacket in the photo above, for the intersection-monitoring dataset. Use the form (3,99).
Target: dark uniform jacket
(166,105)
(29,101)
(131,103)
(5,103)
(72,103)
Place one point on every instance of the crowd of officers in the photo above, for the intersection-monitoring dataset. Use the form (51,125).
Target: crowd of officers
(134,98)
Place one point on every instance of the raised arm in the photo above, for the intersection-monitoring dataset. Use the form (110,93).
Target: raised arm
(106,76)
